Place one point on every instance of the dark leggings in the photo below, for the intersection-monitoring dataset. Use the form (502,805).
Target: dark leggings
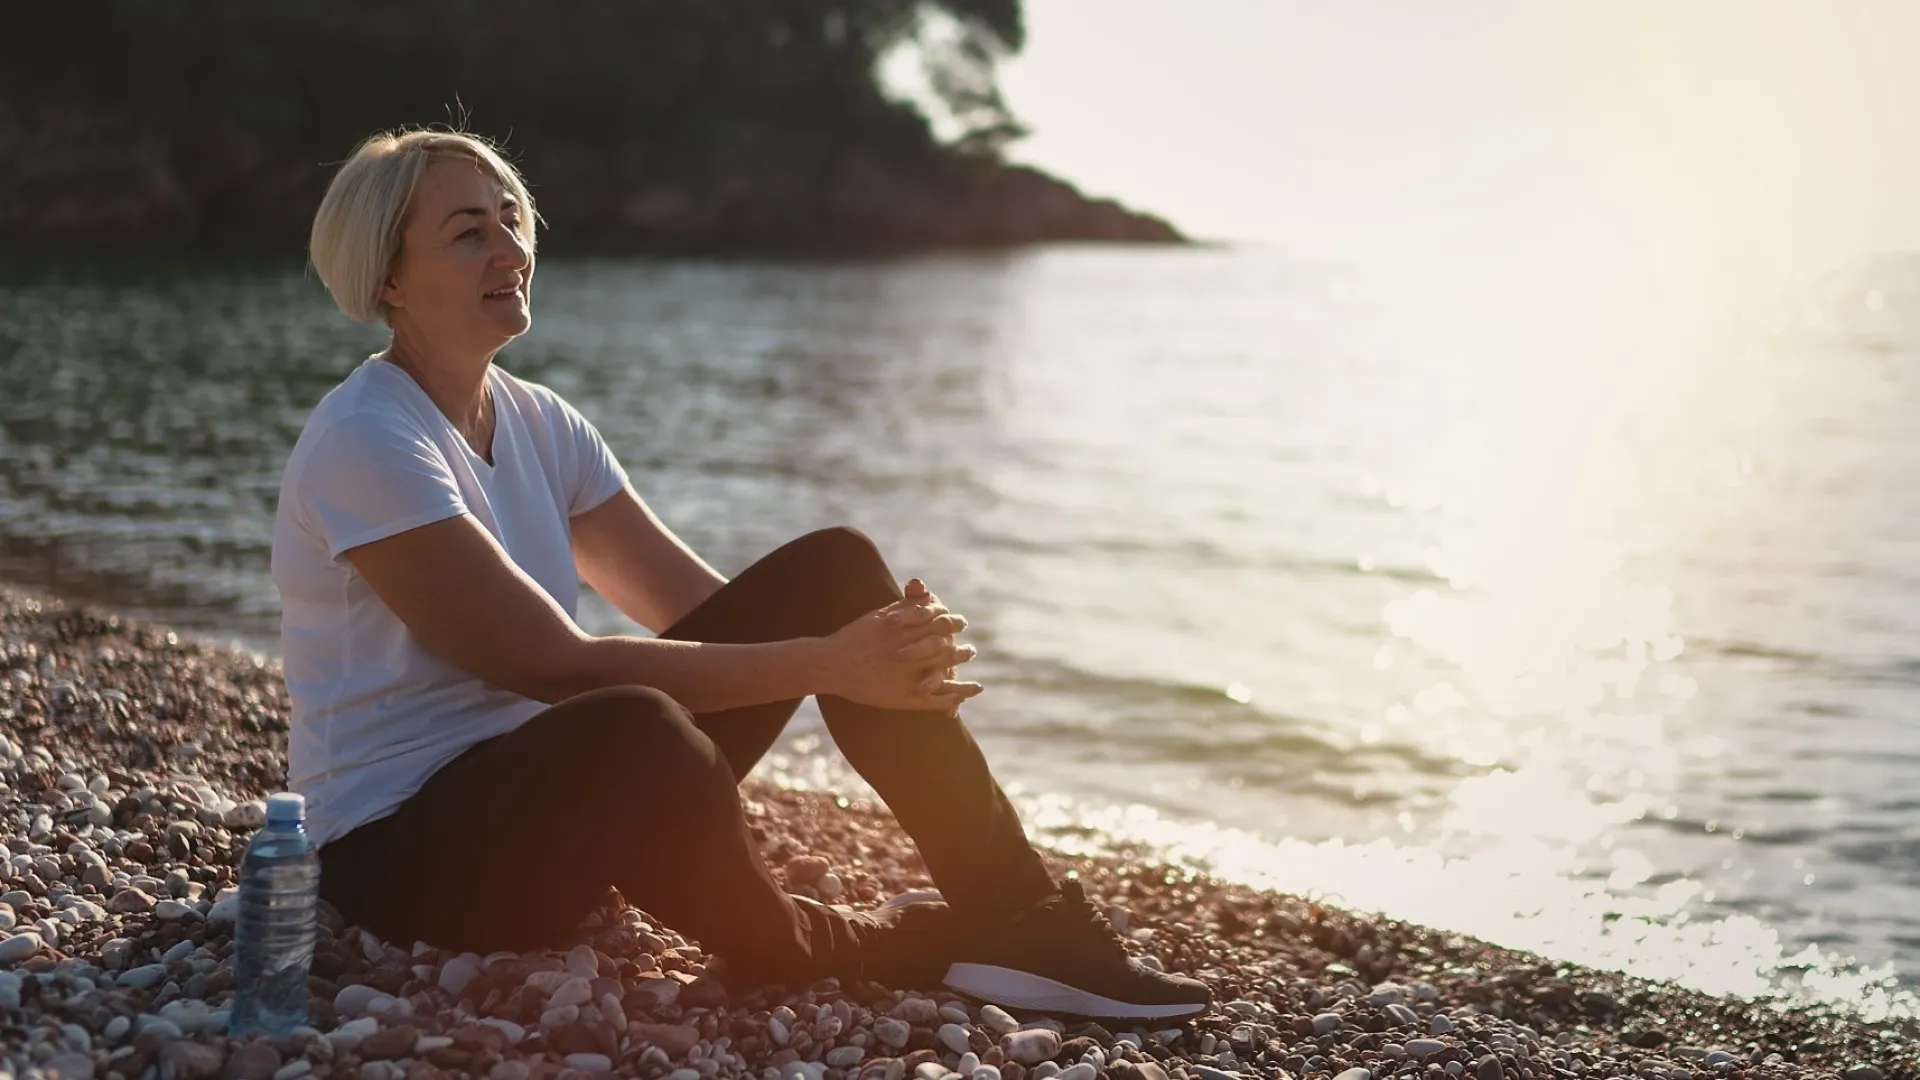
(512,843)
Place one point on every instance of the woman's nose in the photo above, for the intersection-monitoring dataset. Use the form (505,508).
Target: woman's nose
(512,251)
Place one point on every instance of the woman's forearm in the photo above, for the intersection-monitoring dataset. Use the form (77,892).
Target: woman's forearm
(703,677)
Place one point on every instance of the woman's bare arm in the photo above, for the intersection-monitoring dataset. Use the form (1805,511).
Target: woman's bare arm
(463,597)
(630,557)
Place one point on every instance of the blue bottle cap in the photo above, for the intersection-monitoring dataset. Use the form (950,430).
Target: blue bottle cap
(286,808)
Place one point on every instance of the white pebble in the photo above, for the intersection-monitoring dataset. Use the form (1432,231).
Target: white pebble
(1355,1073)
(575,991)
(146,1022)
(841,1057)
(143,977)
(917,1010)
(115,953)
(353,998)
(589,1062)
(348,1036)
(777,1030)
(246,815)
(190,1015)
(582,961)
(514,1032)
(968,1062)
(1439,1025)
(997,1020)
(984,1072)
(224,911)
(117,1028)
(684,1074)
(172,910)
(293,1070)
(1030,1047)
(893,1032)
(20,947)
(456,973)
(953,1037)
(1080,1071)
(560,1016)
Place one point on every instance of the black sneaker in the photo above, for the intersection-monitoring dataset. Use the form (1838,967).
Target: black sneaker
(904,944)
(1062,955)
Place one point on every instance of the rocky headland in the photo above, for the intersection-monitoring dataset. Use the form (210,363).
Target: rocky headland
(90,177)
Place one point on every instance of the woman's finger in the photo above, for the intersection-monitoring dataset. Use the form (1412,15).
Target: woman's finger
(911,614)
(939,651)
(947,657)
(936,685)
(947,625)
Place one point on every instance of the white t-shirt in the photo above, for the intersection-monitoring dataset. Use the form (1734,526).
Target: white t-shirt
(375,712)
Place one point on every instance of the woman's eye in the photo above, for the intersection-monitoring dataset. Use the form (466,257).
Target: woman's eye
(470,232)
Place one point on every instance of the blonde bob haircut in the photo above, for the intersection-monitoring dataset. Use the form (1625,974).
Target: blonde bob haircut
(358,229)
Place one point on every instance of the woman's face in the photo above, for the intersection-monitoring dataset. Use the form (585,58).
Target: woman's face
(464,274)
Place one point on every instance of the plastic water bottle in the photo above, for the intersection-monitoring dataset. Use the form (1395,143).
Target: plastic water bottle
(279,910)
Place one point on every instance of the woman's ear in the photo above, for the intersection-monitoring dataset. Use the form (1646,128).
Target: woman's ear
(390,293)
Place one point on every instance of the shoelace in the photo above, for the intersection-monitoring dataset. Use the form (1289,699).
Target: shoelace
(1098,929)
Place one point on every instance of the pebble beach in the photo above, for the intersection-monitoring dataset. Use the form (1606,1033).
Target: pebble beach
(133,765)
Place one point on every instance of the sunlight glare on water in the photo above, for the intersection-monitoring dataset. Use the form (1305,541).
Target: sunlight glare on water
(1558,434)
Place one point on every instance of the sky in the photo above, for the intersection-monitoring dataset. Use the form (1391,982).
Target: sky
(1687,129)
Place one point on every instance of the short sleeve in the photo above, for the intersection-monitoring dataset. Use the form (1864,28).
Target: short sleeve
(597,475)
(368,476)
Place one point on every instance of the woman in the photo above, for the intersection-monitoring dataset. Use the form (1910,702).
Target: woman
(479,770)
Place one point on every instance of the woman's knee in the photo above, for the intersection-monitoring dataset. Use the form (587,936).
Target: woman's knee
(839,547)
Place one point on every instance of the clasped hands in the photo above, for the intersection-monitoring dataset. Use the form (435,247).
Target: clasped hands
(903,656)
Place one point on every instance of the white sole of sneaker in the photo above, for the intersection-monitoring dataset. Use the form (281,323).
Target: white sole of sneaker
(911,896)
(1021,990)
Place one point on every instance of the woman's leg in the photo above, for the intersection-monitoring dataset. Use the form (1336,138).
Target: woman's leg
(508,846)
(925,765)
